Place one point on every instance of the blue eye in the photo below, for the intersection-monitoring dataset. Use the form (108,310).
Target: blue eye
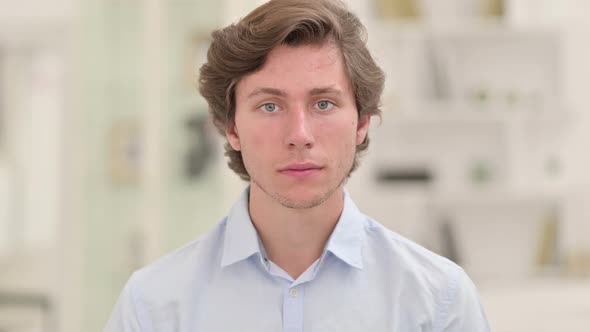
(324,105)
(269,107)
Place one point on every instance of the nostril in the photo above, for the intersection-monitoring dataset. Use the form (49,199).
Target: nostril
(307,145)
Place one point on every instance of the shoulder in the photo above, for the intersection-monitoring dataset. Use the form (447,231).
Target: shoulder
(427,275)
(181,268)
(406,254)
(436,284)
(152,292)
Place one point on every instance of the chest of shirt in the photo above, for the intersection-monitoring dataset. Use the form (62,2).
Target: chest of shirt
(340,298)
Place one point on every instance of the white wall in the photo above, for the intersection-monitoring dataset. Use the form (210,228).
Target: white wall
(37,9)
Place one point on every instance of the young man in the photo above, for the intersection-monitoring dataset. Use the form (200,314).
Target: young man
(293,87)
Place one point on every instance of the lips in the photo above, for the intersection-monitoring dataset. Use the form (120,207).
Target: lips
(301,169)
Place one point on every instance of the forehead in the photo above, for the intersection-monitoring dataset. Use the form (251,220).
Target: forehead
(298,69)
(308,56)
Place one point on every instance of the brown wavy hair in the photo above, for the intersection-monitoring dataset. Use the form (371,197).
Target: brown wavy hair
(241,48)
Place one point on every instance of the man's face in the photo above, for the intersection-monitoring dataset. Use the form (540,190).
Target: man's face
(297,125)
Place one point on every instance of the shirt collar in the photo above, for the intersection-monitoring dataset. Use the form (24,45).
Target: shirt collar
(346,241)
(241,239)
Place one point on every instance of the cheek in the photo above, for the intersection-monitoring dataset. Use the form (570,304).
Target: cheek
(341,139)
(259,139)
(257,142)
(347,132)
(248,131)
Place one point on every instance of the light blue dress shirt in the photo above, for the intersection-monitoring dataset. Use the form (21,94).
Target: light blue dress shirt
(367,279)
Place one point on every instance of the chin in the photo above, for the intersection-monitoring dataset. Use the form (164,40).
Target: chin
(306,198)
(300,204)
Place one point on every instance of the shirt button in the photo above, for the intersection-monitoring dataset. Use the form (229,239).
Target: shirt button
(293,292)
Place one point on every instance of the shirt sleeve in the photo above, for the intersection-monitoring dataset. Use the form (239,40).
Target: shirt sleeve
(461,310)
(126,313)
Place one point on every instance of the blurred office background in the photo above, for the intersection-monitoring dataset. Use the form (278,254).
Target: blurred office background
(107,161)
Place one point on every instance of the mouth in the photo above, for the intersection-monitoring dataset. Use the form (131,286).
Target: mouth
(299,170)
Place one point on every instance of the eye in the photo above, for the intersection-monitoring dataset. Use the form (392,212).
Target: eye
(324,105)
(269,107)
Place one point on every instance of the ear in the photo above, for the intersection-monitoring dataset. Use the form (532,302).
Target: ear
(362,128)
(231,133)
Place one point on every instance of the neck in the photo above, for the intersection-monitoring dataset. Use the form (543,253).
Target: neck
(294,238)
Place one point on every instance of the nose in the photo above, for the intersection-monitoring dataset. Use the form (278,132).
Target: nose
(298,129)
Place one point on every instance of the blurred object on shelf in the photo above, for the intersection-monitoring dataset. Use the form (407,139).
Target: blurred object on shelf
(552,166)
(576,227)
(412,9)
(450,12)
(480,173)
(397,9)
(413,175)
(548,248)
(125,151)
(481,95)
(494,8)
(201,145)
(21,311)
(578,264)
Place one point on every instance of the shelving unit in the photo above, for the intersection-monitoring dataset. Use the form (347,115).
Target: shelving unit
(481,108)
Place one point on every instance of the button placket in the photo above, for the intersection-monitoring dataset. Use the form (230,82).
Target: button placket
(293,309)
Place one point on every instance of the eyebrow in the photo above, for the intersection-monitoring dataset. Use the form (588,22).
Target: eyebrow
(321,91)
(281,93)
(268,91)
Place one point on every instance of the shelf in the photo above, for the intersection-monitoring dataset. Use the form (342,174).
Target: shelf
(445,114)
(497,199)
